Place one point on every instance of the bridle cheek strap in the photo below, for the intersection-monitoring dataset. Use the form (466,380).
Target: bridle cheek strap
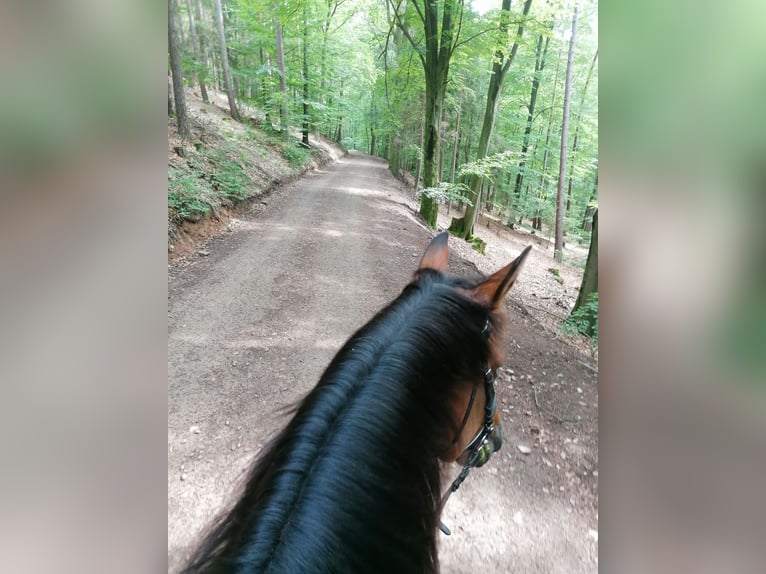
(479,449)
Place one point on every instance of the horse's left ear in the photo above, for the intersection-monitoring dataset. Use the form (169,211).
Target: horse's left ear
(437,254)
(494,288)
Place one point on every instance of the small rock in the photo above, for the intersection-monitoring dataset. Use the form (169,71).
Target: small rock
(518,518)
(203,253)
(579,390)
(194,429)
(595,473)
(523,449)
(528,413)
(593,534)
(183,477)
(563,455)
(545,490)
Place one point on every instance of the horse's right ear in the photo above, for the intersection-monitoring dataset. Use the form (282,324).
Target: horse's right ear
(437,254)
(494,288)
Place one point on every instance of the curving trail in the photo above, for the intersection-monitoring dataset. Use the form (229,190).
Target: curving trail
(252,326)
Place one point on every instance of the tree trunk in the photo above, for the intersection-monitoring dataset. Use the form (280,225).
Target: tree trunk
(500,67)
(171,113)
(440,43)
(305,76)
(587,223)
(339,127)
(558,246)
(182,120)
(266,102)
(577,127)
(590,278)
(539,65)
(441,147)
(419,170)
(454,149)
(225,62)
(282,80)
(198,55)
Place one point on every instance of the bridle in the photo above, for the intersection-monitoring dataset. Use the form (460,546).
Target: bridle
(480,449)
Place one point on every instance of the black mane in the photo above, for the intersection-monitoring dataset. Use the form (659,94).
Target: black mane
(352,483)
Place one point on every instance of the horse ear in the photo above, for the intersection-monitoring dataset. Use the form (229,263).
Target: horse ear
(495,287)
(437,254)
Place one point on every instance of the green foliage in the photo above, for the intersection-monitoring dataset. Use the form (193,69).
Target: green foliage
(189,195)
(370,82)
(446,191)
(295,154)
(486,166)
(478,244)
(228,177)
(585,319)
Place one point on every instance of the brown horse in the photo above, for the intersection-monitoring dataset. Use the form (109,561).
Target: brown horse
(352,483)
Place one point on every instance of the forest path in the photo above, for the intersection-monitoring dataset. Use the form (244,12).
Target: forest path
(255,320)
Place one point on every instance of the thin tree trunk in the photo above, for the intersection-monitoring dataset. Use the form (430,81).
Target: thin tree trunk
(339,128)
(198,56)
(420,158)
(225,62)
(171,112)
(282,82)
(500,66)
(577,127)
(305,76)
(182,120)
(441,147)
(558,246)
(454,149)
(539,65)
(587,223)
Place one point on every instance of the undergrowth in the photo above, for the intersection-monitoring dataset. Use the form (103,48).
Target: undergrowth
(585,319)
(215,174)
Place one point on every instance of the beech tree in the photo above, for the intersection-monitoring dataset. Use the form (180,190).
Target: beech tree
(435,52)
(178,78)
(584,306)
(463,227)
(225,62)
(558,248)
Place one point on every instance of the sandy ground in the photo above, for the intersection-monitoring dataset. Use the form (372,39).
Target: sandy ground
(256,316)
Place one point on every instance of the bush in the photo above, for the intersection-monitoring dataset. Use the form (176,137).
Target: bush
(189,195)
(296,155)
(585,319)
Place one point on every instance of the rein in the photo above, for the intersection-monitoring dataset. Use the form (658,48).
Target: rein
(479,450)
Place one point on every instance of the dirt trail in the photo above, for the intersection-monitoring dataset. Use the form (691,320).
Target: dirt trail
(253,324)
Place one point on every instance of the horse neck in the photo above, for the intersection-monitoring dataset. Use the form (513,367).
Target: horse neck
(354,478)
